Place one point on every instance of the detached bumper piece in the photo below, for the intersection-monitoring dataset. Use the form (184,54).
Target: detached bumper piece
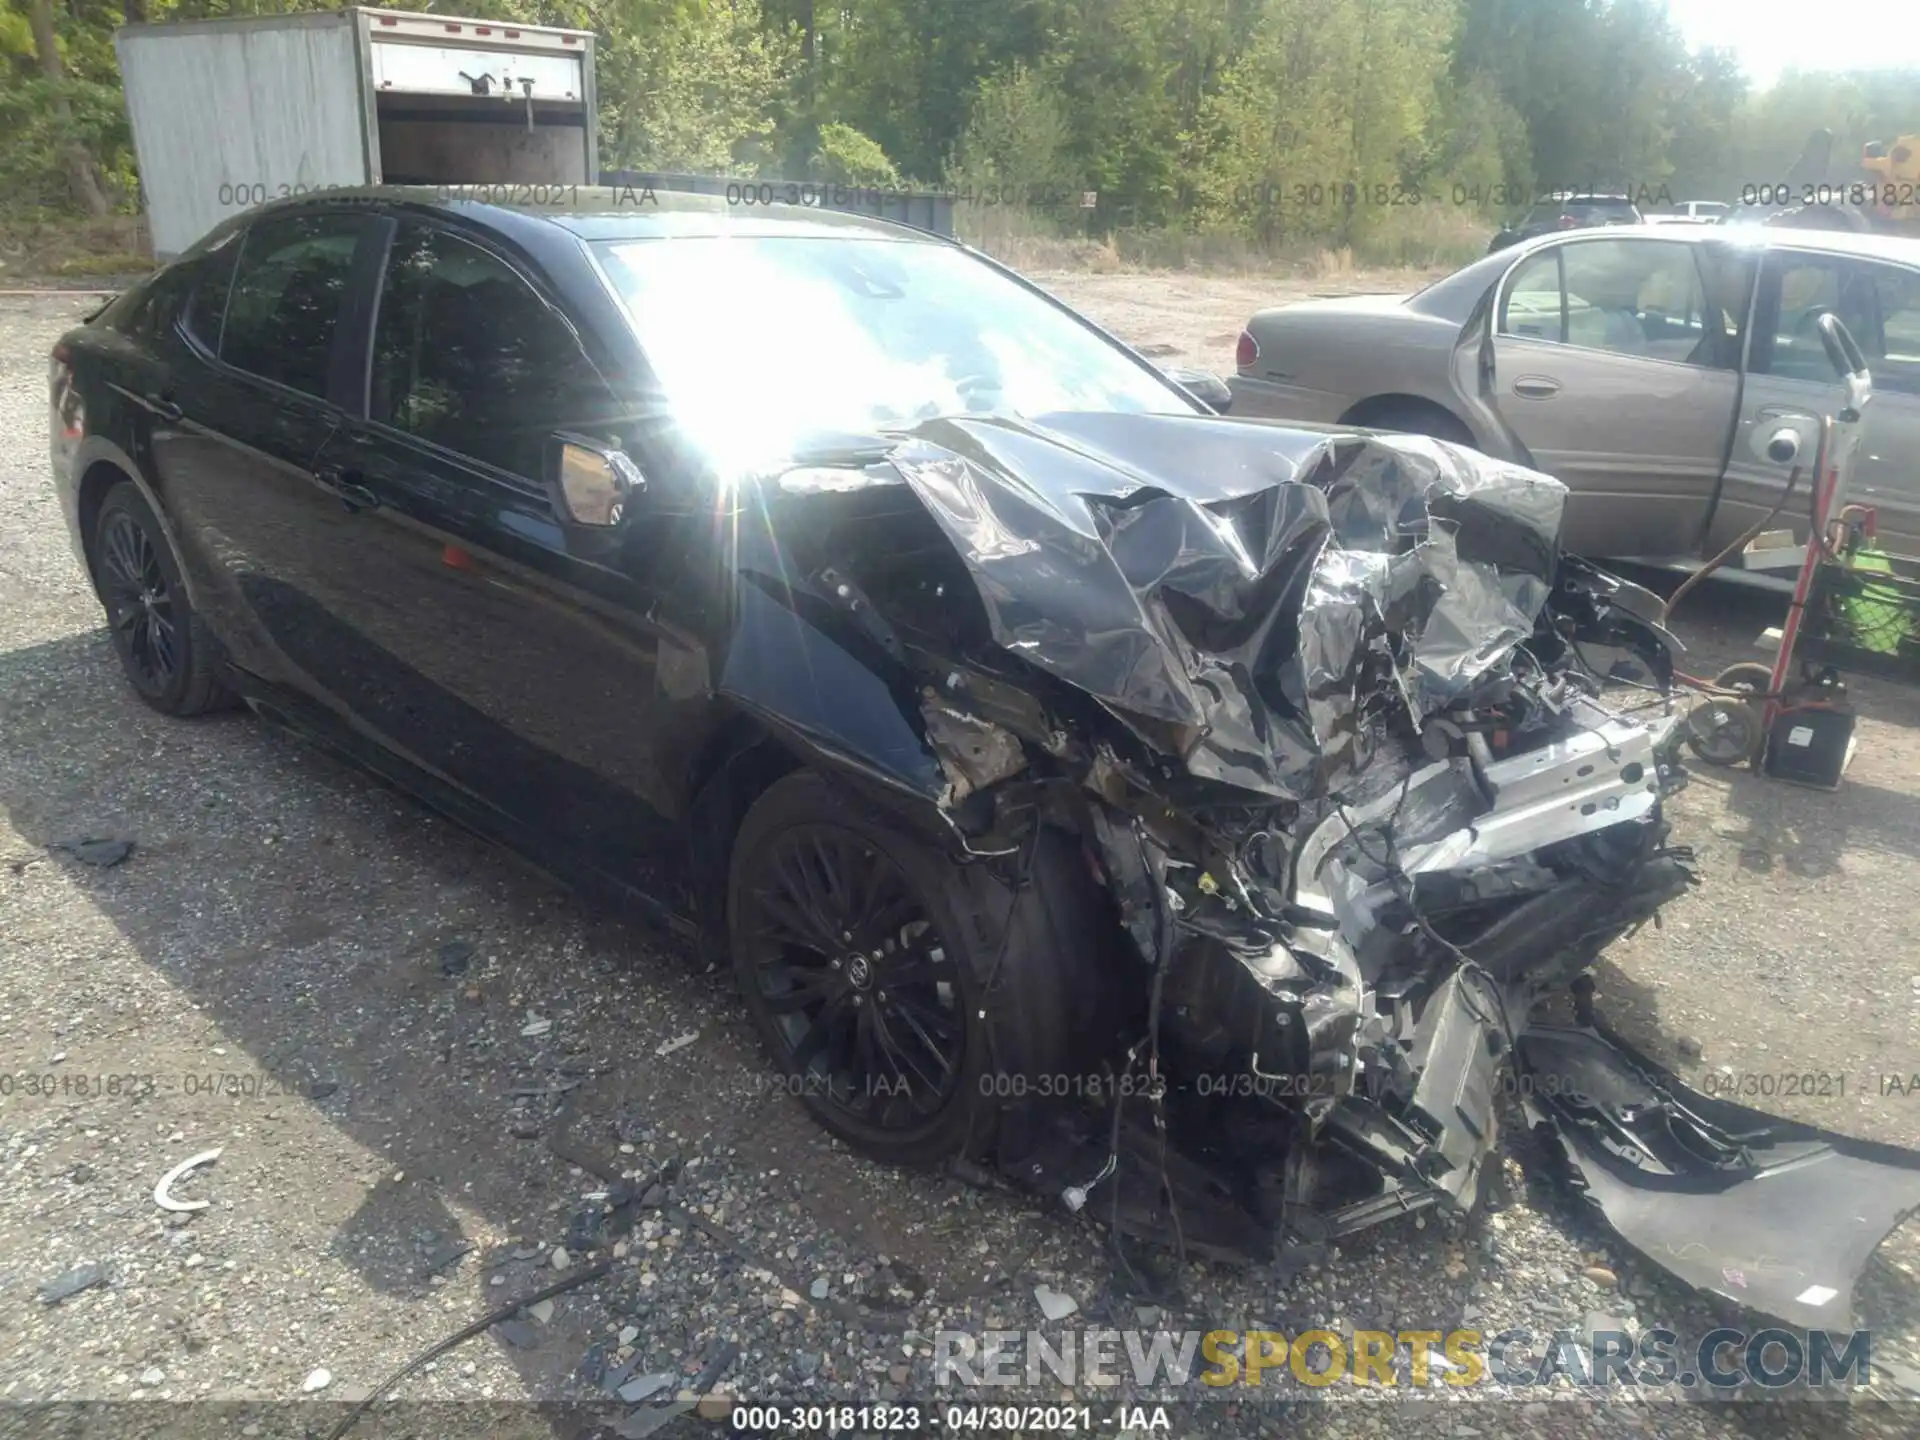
(1776,1215)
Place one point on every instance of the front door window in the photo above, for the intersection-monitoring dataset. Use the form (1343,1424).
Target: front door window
(466,355)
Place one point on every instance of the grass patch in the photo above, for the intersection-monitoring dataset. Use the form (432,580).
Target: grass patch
(1416,238)
(35,242)
(112,263)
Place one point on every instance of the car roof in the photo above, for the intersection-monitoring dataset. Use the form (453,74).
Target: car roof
(596,212)
(1900,248)
(1846,242)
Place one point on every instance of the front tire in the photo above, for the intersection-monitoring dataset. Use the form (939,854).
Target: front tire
(893,987)
(164,648)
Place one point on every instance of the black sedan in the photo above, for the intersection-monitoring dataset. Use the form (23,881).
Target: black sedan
(1181,815)
(1567,212)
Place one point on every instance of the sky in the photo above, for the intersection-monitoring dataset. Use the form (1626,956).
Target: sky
(1770,36)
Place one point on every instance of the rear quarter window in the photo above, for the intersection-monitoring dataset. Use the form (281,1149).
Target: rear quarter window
(161,303)
(119,312)
(207,306)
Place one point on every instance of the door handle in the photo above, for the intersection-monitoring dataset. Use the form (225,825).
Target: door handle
(1536,387)
(163,405)
(345,486)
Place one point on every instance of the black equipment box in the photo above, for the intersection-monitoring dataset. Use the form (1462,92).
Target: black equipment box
(1809,745)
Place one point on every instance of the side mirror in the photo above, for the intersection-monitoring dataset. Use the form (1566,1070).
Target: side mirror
(1203,385)
(591,482)
(1849,364)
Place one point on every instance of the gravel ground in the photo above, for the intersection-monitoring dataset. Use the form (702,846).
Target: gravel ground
(388,1028)
(1193,319)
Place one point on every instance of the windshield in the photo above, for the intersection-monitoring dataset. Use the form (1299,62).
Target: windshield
(760,341)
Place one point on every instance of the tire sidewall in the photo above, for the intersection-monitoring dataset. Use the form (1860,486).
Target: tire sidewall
(126,499)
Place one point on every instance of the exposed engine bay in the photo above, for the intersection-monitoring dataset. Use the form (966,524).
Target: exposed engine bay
(1323,710)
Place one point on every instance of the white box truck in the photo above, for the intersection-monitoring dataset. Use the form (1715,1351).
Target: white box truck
(228,114)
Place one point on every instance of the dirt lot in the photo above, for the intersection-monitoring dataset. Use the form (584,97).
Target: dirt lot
(388,1029)
(1194,319)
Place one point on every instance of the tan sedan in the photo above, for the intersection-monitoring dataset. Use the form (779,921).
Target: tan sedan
(1646,370)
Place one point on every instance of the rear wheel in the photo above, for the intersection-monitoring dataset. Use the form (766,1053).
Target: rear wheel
(164,649)
(1428,420)
(893,987)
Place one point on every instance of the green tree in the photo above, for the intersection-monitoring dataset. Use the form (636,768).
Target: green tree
(1316,129)
(1773,126)
(1113,71)
(905,71)
(1478,149)
(61,115)
(691,85)
(1707,114)
(846,157)
(1276,120)
(1016,141)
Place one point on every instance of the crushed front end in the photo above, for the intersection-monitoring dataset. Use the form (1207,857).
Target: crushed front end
(1324,710)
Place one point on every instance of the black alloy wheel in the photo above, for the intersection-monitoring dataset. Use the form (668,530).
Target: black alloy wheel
(140,604)
(164,648)
(844,958)
(908,998)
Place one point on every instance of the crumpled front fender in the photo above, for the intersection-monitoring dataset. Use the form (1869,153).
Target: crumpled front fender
(822,698)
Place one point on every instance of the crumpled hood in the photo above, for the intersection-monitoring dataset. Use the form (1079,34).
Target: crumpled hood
(1224,586)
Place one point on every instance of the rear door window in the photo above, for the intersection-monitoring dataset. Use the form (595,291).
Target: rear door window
(207,306)
(284,309)
(468,356)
